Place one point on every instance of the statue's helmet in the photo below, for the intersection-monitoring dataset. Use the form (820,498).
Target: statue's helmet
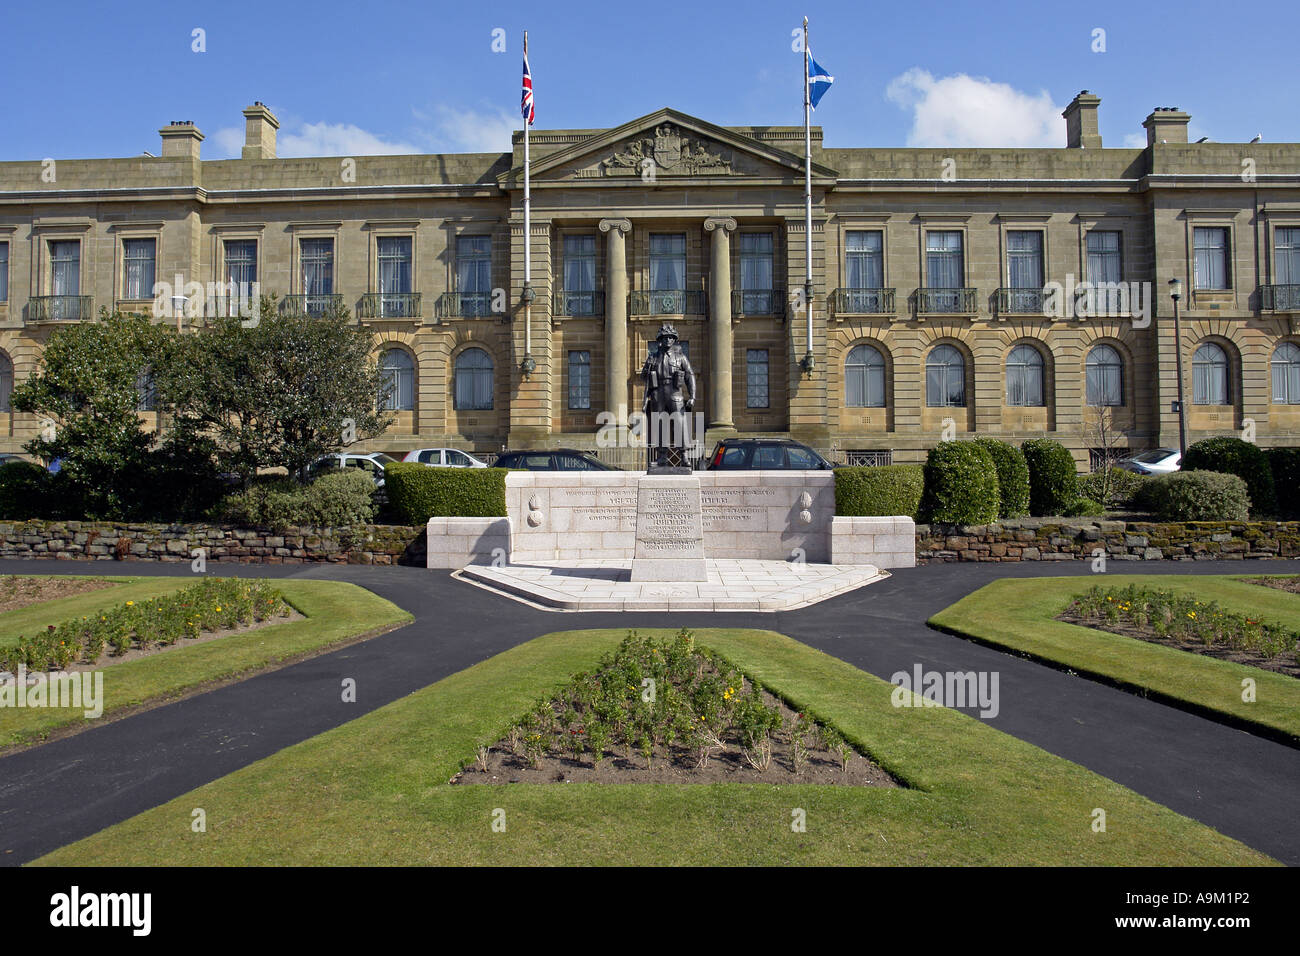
(666,331)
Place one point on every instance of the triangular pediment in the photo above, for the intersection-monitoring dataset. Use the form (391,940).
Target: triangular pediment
(666,145)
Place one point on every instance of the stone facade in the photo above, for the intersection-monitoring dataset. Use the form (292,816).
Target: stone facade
(670,217)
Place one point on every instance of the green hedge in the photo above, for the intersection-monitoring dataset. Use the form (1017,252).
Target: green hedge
(337,499)
(961,484)
(417,492)
(24,490)
(1232,456)
(1013,477)
(1114,489)
(1053,477)
(884,490)
(1198,496)
(1285,465)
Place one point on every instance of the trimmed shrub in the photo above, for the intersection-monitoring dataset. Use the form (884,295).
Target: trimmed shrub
(880,491)
(275,503)
(1285,465)
(1083,508)
(341,499)
(417,492)
(1232,456)
(1124,487)
(24,490)
(961,484)
(1013,477)
(1199,496)
(1053,477)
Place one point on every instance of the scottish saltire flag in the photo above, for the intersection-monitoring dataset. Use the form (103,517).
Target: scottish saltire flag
(819,81)
(526,109)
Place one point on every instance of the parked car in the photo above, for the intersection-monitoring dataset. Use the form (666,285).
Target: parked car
(1158,461)
(751,454)
(552,459)
(372,463)
(444,458)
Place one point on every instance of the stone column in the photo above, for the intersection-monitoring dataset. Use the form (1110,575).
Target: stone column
(616,368)
(720,338)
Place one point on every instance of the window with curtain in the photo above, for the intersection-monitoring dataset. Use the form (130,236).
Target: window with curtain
(6,381)
(397,371)
(1210,375)
(1025,259)
(756,249)
(316,260)
(65,277)
(864,258)
(474,381)
(1025,377)
(1286,374)
(756,378)
(4,272)
(146,392)
(945,378)
(394,261)
(944,269)
(864,377)
(474,274)
(1286,256)
(241,264)
(580,275)
(1104,377)
(667,262)
(1104,262)
(1210,244)
(138,259)
(580,379)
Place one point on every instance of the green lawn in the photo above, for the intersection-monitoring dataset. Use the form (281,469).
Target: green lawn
(334,612)
(1018,615)
(375,790)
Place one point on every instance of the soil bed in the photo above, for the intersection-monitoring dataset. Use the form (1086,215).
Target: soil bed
(19,591)
(1279,584)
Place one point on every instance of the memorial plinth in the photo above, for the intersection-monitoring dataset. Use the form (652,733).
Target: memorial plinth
(669,530)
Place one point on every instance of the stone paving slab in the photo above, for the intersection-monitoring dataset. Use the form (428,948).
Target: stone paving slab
(732,585)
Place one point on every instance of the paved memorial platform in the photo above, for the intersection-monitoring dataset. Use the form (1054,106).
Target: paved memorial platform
(731,585)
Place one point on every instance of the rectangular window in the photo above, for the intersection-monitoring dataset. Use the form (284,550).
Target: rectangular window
(316,261)
(474,274)
(943,260)
(1210,244)
(1025,259)
(580,379)
(4,272)
(65,267)
(138,257)
(394,260)
(864,259)
(241,265)
(756,392)
(580,275)
(668,263)
(1286,256)
(1104,258)
(756,249)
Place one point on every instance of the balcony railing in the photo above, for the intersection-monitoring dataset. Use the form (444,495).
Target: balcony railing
(862,301)
(944,301)
(312,306)
(578,303)
(391,305)
(666,302)
(758,302)
(1281,298)
(464,305)
(44,308)
(1019,301)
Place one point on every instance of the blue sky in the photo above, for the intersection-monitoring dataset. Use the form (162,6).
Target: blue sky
(350,78)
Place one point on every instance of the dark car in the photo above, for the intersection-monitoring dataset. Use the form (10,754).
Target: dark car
(764,454)
(552,459)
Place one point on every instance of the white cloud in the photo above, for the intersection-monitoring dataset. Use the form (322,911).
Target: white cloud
(316,139)
(962,110)
(1135,140)
(454,130)
(229,141)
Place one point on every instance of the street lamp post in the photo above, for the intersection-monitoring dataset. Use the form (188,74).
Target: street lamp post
(1176,293)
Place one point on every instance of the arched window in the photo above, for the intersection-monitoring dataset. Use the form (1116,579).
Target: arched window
(1025,376)
(945,378)
(864,378)
(1286,374)
(1210,375)
(473,381)
(398,371)
(6,381)
(1105,376)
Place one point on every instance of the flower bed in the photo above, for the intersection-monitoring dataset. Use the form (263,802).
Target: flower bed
(668,712)
(1178,620)
(213,604)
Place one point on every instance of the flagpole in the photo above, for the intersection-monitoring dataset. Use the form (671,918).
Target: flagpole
(528,365)
(807,199)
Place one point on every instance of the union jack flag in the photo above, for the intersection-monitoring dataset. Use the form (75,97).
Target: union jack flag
(526,108)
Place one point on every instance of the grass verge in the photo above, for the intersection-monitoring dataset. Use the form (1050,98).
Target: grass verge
(1017,614)
(375,791)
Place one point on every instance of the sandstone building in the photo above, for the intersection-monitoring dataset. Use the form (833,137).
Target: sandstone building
(933,311)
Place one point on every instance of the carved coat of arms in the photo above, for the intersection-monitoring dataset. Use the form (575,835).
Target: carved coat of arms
(671,152)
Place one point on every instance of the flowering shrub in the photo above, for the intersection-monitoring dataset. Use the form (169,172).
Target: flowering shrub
(212,604)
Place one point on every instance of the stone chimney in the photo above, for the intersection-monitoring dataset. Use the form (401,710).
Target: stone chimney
(181,138)
(260,125)
(1167,124)
(1081,122)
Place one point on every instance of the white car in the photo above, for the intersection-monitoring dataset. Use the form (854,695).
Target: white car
(1158,461)
(371,463)
(444,458)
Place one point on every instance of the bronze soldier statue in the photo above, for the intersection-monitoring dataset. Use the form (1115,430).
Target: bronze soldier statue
(669,400)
